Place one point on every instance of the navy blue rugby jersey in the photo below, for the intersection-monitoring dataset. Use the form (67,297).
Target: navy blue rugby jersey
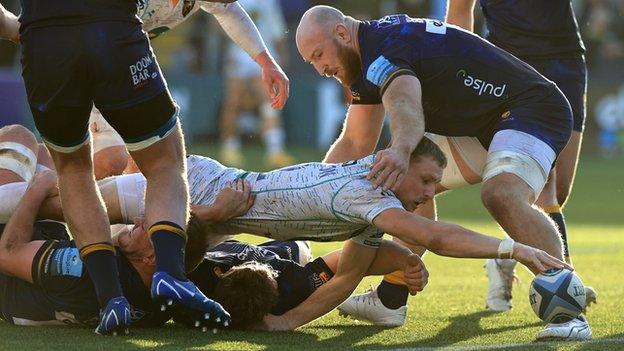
(467,83)
(295,282)
(63,291)
(533,28)
(40,13)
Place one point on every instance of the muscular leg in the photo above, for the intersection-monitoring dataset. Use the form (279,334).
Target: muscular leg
(110,161)
(566,167)
(230,144)
(509,200)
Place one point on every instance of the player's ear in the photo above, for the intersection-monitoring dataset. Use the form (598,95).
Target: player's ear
(341,31)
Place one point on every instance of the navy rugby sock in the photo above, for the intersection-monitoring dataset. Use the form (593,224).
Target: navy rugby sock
(169,240)
(102,267)
(392,295)
(559,219)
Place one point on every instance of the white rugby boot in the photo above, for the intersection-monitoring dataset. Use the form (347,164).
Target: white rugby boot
(576,329)
(369,308)
(501,274)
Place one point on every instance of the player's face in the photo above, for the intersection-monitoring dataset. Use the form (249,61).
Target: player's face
(134,241)
(332,58)
(419,185)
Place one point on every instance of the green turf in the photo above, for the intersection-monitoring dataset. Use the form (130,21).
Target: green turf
(449,313)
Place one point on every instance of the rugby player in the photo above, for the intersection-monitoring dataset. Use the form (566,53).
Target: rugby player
(129,90)
(43,280)
(328,202)
(544,34)
(429,76)
(159,16)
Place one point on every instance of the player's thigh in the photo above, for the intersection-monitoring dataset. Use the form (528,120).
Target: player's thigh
(516,163)
(18,154)
(55,72)
(465,157)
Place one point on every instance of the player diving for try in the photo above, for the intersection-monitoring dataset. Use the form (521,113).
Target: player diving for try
(328,202)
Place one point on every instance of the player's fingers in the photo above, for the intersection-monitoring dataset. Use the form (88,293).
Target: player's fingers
(398,182)
(377,166)
(538,265)
(382,177)
(391,179)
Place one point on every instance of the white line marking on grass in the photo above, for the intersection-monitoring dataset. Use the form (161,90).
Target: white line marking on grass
(501,346)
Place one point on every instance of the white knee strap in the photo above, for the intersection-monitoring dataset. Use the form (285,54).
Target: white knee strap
(131,195)
(465,160)
(18,158)
(11,194)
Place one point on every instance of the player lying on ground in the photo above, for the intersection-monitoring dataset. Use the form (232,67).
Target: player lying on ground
(329,202)
(44,282)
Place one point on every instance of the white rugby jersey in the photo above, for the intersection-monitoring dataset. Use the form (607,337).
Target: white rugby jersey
(159,16)
(311,201)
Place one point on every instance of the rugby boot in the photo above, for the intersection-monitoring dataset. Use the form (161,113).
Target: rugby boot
(115,318)
(369,308)
(576,329)
(501,274)
(186,298)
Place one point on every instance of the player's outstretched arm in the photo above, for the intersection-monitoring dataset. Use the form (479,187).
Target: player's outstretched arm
(359,136)
(17,251)
(9,25)
(354,262)
(461,13)
(403,103)
(390,257)
(455,241)
(240,28)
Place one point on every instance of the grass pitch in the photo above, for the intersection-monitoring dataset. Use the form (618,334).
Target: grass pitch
(449,314)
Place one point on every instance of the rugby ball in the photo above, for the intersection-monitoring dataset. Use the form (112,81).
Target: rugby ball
(557,295)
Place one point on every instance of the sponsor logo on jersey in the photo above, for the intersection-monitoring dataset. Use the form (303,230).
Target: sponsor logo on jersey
(380,70)
(479,85)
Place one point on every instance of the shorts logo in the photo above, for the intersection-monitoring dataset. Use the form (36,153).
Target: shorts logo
(139,71)
(380,70)
(481,86)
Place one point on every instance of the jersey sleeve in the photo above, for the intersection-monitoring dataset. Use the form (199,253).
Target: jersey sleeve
(359,202)
(396,58)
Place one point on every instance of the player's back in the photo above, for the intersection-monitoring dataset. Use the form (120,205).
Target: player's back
(310,201)
(39,13)
(533,28)
(467,83)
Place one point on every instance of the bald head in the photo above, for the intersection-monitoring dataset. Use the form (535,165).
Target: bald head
(319,20)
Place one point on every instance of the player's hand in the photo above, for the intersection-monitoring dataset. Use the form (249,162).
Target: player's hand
(46,181)
(233,201)
(415,274)
(274,81)
(273,323)
(537,260)
(389,169)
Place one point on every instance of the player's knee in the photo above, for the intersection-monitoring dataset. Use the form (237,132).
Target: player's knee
(18,133)
(498,200)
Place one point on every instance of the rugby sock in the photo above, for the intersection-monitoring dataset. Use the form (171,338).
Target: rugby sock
(102,267)
(169,240)
(274,140)
(392,291)
(555,214)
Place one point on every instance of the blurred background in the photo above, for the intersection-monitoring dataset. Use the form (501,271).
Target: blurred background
(195,57)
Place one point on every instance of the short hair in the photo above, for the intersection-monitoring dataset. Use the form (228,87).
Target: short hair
(196,243)
(427,148)
(248,292)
